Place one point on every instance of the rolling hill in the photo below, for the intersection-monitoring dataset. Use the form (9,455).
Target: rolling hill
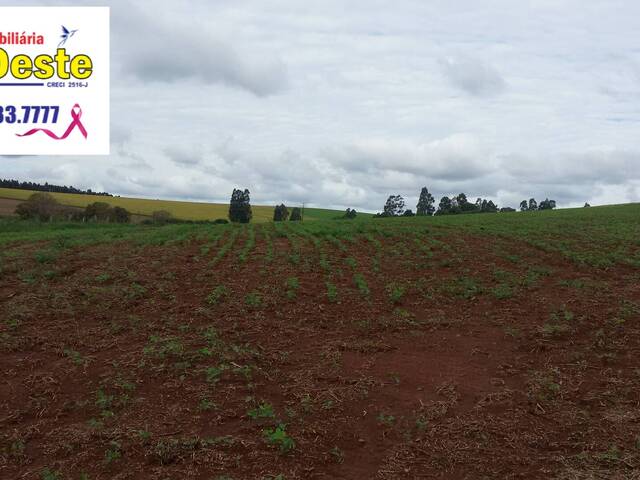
(179,209)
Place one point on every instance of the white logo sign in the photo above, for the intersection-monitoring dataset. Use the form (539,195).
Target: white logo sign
(54,80)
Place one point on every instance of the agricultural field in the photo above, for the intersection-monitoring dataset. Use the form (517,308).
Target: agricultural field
(8,207)
(493,346)
(145,207)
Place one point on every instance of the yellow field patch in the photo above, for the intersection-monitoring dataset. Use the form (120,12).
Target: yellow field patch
(181,210)
(142,206)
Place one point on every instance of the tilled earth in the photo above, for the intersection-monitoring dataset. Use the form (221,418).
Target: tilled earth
(458,357)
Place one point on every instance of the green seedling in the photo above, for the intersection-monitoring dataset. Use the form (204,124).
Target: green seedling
(361,283)
(253,300)
(292,287)
(332,292)
(280,438)
(217,295)
(263,410)
(113,453)
(387,420)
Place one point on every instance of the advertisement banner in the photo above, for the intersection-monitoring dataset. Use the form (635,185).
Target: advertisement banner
(54,80)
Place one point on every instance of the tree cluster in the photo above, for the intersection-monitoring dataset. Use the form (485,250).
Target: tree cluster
(425,204)
(103,212)
(240,206)
(460,204)
(296,215)
(44,207)
(532,205)
(395,206)
(41,206)
(350,214)
(15,184)
(280,213)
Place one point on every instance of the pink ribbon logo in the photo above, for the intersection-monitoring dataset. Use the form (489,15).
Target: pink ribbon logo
(76,114)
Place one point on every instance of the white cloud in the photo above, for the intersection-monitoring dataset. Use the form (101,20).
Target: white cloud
(473,76)
(154,49)
(184,155)
(457,157)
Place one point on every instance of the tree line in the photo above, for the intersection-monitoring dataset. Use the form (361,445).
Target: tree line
(459,204)
(44,207)
(15,184)
(240,207)
(240,210)
(532,205)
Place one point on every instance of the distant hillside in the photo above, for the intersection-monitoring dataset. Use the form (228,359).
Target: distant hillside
(182,210)
(47,187)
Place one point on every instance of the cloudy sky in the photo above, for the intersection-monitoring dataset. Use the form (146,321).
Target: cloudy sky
(340,103)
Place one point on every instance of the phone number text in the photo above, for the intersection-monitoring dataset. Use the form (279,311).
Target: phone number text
(29,114)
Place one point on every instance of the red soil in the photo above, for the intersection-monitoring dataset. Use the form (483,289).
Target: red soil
(104,371)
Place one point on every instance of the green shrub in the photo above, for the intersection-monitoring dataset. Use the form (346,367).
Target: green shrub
(280,438)
(217,295)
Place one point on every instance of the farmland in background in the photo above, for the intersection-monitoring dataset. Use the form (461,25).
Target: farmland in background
(470,346)
(179,209)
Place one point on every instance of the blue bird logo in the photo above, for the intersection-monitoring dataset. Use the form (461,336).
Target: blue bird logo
(66,35)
